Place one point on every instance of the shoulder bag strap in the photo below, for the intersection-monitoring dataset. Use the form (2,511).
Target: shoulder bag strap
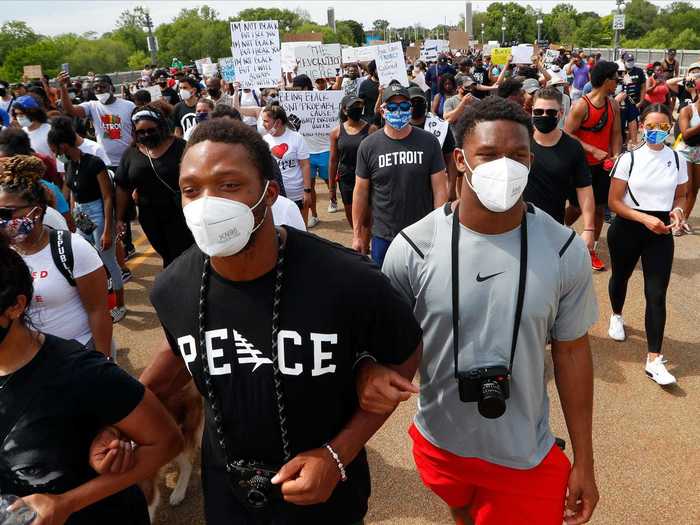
(62,253)
(155,171)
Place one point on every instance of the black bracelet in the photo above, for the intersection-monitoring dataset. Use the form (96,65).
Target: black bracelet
(307,190)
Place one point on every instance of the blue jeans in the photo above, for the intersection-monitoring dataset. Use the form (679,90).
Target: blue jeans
(95,211)
(379,247)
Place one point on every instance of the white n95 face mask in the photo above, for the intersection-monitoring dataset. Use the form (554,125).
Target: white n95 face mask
(498,184)
(103,97)
(221,227)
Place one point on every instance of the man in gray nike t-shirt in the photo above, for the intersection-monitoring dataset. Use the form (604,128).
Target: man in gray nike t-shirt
(507,469)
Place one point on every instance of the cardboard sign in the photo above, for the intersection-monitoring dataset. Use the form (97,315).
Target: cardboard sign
(303,37)
(256,52)
(431,49)
(209,70)
(391,64)
(318,61)
(500,55)
(228,69)
(32,71)
(200,64)
(522,54)
(459,40)
(313,113)
(413,52)
(155,93)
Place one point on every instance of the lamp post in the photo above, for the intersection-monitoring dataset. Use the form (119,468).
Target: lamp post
(539,28)
(503,30)
(616,44)
(482,33)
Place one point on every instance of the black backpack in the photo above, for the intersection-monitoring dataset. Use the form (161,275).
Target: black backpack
(62,255)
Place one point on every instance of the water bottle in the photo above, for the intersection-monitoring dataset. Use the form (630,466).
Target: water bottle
(21,516)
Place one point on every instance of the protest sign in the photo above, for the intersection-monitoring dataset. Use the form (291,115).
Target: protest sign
(303,37)
(391,64)
(288,58)
(348,55)
(438,127)
(500,55)
(486,50)
(313,113)
(366,53)
(155,93)
(522,54)
(209,70)
(459,40)
(256,52)
(412,52)
(550,56)
(32,71)
(318,60)
(200,64)
(431,48)
(228,70)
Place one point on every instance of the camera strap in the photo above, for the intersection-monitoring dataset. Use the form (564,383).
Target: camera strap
(213,402)
(455,287)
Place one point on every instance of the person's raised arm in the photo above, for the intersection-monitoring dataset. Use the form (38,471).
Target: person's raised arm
(68,107)
(91,289)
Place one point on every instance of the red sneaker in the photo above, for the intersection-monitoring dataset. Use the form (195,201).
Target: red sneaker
(596,263)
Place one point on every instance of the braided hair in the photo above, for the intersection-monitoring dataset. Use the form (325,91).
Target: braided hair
(21,175)
(15,278)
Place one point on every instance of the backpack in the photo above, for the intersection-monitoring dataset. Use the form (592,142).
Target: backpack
(629,173)
(62,255)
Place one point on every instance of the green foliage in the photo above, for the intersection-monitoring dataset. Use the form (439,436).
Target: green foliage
(518,26)
(103,55)
(14,34)
(137,60)
(358,33)
(380,24)
(193,34)
(640,18)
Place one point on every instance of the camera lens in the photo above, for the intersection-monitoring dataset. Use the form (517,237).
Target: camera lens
(492,402)
(257,498)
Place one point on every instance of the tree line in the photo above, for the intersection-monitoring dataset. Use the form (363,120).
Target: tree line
(201,32)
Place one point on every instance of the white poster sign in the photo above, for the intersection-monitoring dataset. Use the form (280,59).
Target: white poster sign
(318,60)
(438,127)
(155,93)
(288,54)
(313,113)
(200,64)
(209,70)
(522,54)
(256,50)
(432,48)
(391,64)
(550,56)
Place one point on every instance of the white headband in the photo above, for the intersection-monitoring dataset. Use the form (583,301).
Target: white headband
(145,114)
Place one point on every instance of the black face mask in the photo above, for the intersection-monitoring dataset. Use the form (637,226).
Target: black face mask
(150,141)
(419,109)
(216,93)
(162,83)
(545,123)
(354,113)
(3,91)
(4,330)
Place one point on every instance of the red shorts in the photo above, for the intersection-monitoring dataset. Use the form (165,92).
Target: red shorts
(495,495)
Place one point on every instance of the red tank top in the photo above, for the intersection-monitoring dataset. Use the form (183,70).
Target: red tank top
(593,132)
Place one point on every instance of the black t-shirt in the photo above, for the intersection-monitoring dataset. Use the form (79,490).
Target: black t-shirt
(135,173)
(355,310)
(481,77)
(634,89)
(170,96)
(555,172)
(184,116)
(81,178)
(684,97)
(400,177)
(60,400)
(369,92)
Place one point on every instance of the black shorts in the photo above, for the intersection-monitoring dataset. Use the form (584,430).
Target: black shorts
(600,180)
(347,186)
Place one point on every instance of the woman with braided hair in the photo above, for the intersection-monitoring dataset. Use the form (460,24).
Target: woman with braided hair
(71,310)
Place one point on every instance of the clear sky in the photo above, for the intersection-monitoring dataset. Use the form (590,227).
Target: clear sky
(62,16)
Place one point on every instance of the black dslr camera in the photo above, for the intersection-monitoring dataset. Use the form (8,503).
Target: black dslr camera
(489,387)
(251,484)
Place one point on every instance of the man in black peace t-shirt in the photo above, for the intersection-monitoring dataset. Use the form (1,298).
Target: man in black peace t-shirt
(276,349)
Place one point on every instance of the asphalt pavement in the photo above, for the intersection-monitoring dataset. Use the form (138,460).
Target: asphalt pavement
(647,451)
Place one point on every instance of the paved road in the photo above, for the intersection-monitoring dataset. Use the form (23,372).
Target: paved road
(646,438)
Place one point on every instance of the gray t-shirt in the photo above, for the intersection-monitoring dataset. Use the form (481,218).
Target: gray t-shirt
(451,104)
(400,177)
(113,127)
(559,304)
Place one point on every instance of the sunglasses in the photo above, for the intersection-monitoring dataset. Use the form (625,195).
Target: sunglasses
(6,214)
(396,106)
(662,126)
(538,112)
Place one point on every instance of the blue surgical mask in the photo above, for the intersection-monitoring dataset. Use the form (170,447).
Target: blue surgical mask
(398,119)
(655,136)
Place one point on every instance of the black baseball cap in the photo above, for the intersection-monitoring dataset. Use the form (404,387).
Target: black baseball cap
(104,78)
(349,100)
(395,90)
(416,92)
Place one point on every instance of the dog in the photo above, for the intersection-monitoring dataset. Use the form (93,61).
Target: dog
(186,408)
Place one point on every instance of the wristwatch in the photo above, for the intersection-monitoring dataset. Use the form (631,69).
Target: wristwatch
(307,190)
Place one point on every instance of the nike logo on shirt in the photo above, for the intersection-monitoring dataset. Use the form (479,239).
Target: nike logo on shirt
(480,279)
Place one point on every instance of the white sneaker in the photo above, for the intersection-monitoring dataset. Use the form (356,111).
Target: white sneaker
(617,328)
(118,313)
(657,372)
(332,207)
(313,221)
